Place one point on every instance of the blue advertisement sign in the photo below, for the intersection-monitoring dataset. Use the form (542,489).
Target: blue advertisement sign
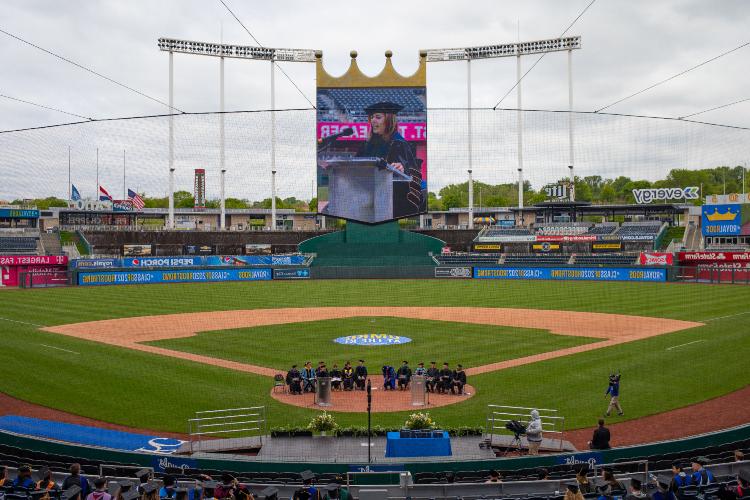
(571,273)
(721,220)
(372,339)
(161,464)
(291,274)
(102,278)
(591,458)
(192,261)
(19,213)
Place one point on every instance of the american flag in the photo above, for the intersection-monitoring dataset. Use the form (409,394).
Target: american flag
(136,199)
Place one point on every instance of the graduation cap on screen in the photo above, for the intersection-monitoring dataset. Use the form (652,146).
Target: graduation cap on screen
(71,492)
(383,107)
(307,475)
(149,488)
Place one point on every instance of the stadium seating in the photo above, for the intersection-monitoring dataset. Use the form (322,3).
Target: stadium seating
(640,228)
(602,229)
(563,228)
(18,245)
(492,232)
(605,260)
(468,259)
(536,260)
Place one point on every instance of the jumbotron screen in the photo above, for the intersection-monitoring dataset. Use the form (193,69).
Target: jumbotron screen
(372,153)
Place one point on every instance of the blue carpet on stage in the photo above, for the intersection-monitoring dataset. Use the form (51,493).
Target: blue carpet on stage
(85,435)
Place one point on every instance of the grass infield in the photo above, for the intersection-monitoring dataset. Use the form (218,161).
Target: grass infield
(150,391)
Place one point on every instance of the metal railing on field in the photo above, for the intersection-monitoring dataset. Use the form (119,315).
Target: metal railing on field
(234,422)
(499,415)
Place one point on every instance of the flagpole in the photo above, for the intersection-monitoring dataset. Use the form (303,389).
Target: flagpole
(70,189)
(124,197)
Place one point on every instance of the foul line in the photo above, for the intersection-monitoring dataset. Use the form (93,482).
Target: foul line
(681,345)
(59,348)
(724,317)
(23,322)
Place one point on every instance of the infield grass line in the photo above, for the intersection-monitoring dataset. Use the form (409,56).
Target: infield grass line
(683,345)
(59,349)
(23,322)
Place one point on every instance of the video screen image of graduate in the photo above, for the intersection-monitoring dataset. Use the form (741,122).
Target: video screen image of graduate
(372,153)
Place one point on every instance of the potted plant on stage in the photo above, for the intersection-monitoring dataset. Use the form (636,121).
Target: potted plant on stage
(419,422)
(323,424)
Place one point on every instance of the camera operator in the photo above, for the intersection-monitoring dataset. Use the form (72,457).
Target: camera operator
(534,433)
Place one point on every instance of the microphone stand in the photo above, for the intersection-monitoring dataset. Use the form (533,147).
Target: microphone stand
(369,421)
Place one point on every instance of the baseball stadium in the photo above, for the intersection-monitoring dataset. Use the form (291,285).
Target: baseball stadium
(370,296)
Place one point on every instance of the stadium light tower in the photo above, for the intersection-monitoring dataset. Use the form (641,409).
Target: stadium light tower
(471,201)
(222,50)
(516,50)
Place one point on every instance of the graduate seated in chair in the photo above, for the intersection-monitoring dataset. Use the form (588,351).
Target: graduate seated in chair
(336,378)
(445,379)
(389,378)
(458,381)
(308,378)
(347,376)
(403,375)
(360,375)
(294,380)
(433,374)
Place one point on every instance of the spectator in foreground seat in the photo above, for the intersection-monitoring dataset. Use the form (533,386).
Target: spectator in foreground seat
(23,480)
(584,485)
(743,488)
(46,483)
(636,491)
(572,492)
(601,437)
(3,475)
(739,456)
(100,493)
(76,479)
(663,492)
(701,476)
(494,477)
(610,483)
(679,478)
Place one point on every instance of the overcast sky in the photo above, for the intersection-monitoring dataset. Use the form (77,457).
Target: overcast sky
(627,45)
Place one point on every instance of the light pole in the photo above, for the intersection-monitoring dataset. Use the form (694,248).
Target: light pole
(572,184)
(570,126)
(170,221)
(273,200)
(222,220)
(471,201)
(515,49)
(520,188)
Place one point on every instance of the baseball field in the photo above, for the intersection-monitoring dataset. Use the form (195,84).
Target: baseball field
(149,356)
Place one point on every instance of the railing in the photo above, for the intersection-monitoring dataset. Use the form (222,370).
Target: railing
(641,467)
(499,415)
(225,422)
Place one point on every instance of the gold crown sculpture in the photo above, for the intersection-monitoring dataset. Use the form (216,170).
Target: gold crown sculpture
(388,77)
(716,216)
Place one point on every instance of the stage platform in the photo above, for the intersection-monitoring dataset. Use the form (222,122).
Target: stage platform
(351,450)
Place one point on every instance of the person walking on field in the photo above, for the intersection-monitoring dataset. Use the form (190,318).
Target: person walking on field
(613,391)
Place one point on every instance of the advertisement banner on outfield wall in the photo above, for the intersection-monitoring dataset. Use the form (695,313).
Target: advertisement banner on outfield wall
(725,220)
(656,259)
(606,247)
(291,274)
(572,238)
(487,247)
(546,247)
(103,278)
(568,273)
(453,272)
(372,144)
(708,257)
(191,261)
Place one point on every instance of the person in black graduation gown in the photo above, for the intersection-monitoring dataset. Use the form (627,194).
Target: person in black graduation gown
(445,379)
(336,378)
(403,376)
(294,380)
(348,376)
(459,380)
(360,375)
(387,143)
(432,377)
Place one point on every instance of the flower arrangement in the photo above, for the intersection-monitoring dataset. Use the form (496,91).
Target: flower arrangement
(419,421)
(323,422)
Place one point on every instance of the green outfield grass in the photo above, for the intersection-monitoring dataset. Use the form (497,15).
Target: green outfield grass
(280,346)
(150,391)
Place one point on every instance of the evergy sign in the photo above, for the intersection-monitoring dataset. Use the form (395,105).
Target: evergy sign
(643,196)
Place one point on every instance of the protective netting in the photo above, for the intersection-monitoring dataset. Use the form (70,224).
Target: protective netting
(604,145)
(168,351)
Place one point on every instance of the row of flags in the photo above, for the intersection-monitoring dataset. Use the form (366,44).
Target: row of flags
(134,197)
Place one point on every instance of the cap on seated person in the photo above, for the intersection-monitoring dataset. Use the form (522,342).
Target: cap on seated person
(635,483)
(572,487)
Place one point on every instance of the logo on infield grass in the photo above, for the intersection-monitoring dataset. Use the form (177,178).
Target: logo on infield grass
(372,339)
